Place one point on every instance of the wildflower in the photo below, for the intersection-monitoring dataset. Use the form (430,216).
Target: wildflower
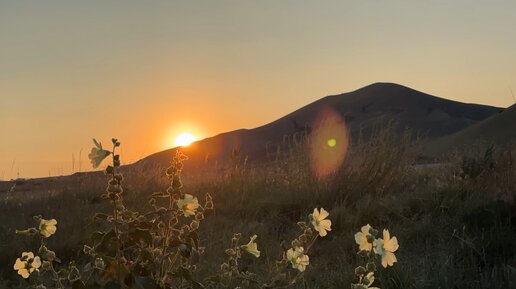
(47,227)
(297,258)
(364,239)
(386,247)
(188,205)
(319,221)
(98,154)
(27,264)
(252,247)
(368,280)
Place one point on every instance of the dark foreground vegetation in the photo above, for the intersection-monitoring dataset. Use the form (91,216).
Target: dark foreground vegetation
(455,220)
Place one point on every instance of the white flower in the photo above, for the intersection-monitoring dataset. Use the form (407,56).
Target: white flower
(188,205)
(361,238)
(27,264)
(297,258)
(319,221)
(252,247)
(386,247)
(98,154)
(47,227)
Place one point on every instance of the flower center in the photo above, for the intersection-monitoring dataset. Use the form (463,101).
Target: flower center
(188,207)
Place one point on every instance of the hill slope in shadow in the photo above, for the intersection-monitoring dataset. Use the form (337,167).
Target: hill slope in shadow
(498,129)
(360,109)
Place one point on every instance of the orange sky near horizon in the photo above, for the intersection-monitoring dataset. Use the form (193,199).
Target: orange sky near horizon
(145,72)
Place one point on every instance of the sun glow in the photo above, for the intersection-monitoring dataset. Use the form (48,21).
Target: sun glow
(184,139)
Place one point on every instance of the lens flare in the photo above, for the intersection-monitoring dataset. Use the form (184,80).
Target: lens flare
(332,142)
(328,143)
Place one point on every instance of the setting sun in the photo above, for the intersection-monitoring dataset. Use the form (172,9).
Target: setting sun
(185,139)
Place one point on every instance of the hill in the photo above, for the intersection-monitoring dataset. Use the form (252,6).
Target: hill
(498,129)
(360,109)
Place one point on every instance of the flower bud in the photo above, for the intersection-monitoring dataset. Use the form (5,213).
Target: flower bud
(224,267)
(199,216)
(48,255)
(360,271)
(119,178)
(232,262)
(194,225)
(109,170)
(46,266)
(88,250)
(373,232)
(99,264)
(371,267)
(74,274)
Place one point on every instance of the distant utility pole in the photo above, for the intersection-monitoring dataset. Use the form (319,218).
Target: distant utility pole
(513,98)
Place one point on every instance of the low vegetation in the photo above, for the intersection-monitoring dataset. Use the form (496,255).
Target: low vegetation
(256,227)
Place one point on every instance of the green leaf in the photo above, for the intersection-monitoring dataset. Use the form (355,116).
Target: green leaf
(101,216)
(97,144)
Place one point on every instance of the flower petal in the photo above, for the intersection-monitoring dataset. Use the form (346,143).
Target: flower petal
(36,263)
(365,229)
(19,264)
(24,273)
(391,258)
(391,245)
(29,255)
(323,214)
(386,235)
(315,214)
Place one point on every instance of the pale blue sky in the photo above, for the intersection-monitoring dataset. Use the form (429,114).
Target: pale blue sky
(146,70)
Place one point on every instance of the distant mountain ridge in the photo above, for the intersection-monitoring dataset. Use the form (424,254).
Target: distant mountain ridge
(418,111)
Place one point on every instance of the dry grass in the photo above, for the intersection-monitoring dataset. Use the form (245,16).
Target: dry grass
(454,232)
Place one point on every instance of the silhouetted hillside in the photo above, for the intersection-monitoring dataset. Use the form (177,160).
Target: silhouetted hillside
(361,109)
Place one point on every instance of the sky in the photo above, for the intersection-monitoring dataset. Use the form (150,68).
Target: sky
(145,71)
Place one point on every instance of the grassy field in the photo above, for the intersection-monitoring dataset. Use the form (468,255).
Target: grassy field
(455,222)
